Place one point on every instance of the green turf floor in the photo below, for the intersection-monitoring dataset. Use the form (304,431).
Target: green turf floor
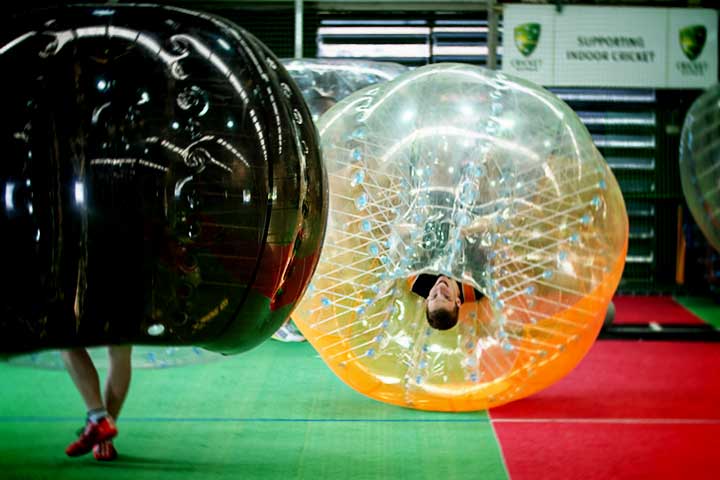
(703,307)
(274,412)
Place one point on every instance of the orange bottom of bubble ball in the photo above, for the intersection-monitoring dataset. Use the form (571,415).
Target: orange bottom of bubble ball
(528,373)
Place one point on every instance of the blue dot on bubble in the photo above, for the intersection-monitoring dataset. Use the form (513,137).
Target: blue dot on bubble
(361,201)
(358,178)
(356,154)
(365,225)
(325,301)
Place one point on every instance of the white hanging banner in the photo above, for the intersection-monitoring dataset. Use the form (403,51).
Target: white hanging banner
(611,46)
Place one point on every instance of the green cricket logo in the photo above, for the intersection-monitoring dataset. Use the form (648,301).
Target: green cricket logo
(692,40)
(527,36)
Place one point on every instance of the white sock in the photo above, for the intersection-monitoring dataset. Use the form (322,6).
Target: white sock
(96,414)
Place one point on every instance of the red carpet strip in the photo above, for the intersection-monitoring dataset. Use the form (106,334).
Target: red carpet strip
(629,410)
(645,309)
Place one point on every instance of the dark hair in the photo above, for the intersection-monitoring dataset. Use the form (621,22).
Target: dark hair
(442,318)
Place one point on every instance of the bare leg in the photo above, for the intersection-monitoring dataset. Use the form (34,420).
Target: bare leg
(84,375)
(98,431)
(118,379)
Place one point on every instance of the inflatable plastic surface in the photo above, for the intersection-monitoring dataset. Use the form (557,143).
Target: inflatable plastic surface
(161,182)
(700,163)
(491,181)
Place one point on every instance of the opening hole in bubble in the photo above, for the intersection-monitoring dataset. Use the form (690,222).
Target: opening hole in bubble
(180,319)
(192,230)
(198,158)
(178,71)
(179,45)
(189,262)
(305,209)
(184,291)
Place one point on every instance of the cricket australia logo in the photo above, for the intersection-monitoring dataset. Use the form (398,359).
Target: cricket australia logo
(527,37)
(692,40)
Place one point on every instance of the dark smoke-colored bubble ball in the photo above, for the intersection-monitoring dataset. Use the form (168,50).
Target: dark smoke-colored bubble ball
(161,182)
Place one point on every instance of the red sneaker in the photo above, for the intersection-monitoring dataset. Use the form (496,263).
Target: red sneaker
(94,433)
(105,451)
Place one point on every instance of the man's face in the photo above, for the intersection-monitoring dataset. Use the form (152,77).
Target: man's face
(445,294)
